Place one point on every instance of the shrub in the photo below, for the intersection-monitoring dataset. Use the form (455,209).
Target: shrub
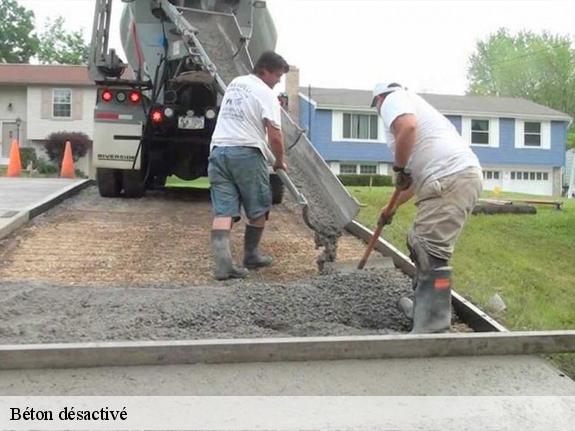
(45,167)
(56,143)
(364,180)
(80,173)
(27,155)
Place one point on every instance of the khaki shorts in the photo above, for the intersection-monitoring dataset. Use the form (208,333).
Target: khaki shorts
(442,208)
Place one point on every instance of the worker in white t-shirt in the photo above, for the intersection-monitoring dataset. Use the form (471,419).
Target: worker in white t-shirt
(433,163)
(249,119)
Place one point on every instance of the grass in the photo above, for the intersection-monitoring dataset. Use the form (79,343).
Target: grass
(529,260)
(199,183)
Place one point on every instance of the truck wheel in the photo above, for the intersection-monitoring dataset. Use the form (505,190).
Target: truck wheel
(133,183)
(278,189)
(109,182)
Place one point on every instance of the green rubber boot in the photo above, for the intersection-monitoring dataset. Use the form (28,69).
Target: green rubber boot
(225,268)
(432,302)
(252,258)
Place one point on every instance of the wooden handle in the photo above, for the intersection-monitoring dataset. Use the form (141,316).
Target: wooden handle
(390,207)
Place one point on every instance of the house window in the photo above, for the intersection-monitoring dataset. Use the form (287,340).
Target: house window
(530,176)
(62,106)
(360,126)
(490,175)
(348,169)
(532,134)
(480,132)
(368,169)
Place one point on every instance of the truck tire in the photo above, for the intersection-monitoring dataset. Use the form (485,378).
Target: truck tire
(109,182)
(133,183)
(278,189)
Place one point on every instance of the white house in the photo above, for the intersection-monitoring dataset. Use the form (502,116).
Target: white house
(36,100)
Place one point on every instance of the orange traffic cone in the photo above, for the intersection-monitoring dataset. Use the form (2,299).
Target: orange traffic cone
(15,165)
(68,162)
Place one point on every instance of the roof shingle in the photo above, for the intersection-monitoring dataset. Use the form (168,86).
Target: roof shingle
(25,74)
(446,104)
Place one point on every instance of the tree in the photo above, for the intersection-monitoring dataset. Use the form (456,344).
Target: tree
(60,46)
(537,67)
(18,42)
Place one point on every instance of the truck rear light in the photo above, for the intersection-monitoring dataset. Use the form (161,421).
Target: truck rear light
(121,96)
(135,96)
(210,114)
(157,116)
(107,96)
(168,112)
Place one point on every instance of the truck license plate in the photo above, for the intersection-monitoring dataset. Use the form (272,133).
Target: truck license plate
(191,123)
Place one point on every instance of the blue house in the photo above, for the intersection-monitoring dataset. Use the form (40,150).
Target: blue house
(520,144)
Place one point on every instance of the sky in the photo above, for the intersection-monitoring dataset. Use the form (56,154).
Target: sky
(423,44)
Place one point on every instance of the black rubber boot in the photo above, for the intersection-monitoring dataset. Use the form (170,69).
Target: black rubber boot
(225,268)
(432,303)
(252,258)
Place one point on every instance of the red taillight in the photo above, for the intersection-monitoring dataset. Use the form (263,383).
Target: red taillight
(157,116)
(135,96)
(107,96)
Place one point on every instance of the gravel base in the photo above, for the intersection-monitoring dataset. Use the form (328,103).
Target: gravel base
(357,303)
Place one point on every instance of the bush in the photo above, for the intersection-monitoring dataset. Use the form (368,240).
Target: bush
(45,167)
(364,180)
(56,143)
(28,155)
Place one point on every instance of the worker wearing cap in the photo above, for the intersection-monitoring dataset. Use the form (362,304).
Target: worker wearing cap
(433,163)
(249,120)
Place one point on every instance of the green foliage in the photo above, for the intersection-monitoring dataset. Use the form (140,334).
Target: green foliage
(60,46)
(18,42)
(46,168)
(537,67)
(571,138)
(365,180)
(56,143)
(80,173)
(27,155)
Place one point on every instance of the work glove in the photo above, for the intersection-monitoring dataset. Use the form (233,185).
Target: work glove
(403,179)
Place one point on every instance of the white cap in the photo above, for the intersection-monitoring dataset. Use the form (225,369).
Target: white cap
(384,87)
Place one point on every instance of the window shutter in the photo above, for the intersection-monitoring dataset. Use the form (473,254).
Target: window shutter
(546,135)
(46,104)
(519,138)
(494,132)
(77,104)
(466,129)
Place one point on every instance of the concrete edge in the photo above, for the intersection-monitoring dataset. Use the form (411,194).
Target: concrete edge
(472,315)
(15,222)
(79,355)
(57,197)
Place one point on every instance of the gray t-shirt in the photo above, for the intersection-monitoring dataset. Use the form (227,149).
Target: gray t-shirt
(439,150)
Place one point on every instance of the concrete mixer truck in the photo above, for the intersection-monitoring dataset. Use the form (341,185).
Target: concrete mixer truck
(155,114)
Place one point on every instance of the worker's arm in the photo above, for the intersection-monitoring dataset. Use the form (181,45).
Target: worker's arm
(276,143)
(386,218)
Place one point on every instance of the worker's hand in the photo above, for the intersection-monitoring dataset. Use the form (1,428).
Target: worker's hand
(385,217)
(403,179)
(280,165)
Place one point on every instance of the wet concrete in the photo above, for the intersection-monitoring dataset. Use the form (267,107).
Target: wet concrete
(353,303)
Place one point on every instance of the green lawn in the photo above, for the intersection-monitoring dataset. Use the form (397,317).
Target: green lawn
(527,259)
(199,183)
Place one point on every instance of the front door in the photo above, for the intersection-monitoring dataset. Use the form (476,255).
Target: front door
(9,132)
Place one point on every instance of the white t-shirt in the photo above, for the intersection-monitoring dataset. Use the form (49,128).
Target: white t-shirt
(247,102)
(439,150)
